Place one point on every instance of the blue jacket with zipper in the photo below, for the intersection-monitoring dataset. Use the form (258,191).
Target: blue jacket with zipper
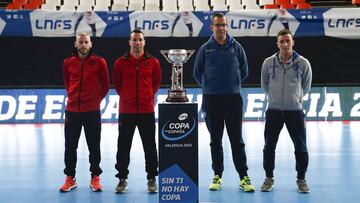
(219,70)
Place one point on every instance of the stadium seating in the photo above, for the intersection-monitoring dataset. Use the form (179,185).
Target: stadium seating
(14,6)
(40,2)
(295,2)
(119,5)
(87,2)
(152,5)
(71,2)
(20,2)
(271,6)
(201,5)
(287,6)
(67,7)
(49,7)
(303,6)
(250,4)
(219,5)
(279,2)
(355,2)
(264,2)
(32,6)
(185,5)
(53,2)
(169,5)
(84,7)
(234,5)
(124,2)
(136,5)
(101,7)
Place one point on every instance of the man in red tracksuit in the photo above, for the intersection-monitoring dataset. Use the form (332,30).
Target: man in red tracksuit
(86,81)
(136,77)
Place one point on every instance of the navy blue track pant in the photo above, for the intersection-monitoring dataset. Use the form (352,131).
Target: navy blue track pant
(294,121)
(221,110)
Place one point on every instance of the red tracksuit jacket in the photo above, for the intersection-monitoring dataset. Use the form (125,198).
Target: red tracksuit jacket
(86,82)
(136,81)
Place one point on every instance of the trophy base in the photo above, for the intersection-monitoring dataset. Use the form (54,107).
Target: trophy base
(177,96)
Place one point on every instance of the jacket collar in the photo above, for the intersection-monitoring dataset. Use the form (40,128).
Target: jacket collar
(145,56)
(229,41)
(75,54)
(294,57)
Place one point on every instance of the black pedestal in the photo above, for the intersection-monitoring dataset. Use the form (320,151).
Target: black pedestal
(178,153)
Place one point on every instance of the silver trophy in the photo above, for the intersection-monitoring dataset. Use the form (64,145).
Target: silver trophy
(177,57)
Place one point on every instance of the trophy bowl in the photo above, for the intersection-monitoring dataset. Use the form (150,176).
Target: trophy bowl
(177,57)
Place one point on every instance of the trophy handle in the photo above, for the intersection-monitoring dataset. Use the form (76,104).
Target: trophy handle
(189,54)
(165,54)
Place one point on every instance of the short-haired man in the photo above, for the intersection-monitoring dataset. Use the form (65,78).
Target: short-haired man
(286,78)
(86,80)
(220,68)
(137,78)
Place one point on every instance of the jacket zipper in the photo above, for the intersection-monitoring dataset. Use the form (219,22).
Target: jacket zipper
(283,88)
(81,76)
(137,88)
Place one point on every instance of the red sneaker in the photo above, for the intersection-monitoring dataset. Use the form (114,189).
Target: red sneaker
(95,184)
(70,183)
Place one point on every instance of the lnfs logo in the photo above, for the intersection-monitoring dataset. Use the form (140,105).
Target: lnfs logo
(247,24)
(344,23)
(152,24)
(50,24)
(178,128)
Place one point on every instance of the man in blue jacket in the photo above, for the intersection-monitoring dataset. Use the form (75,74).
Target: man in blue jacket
(286,78)
(220,67)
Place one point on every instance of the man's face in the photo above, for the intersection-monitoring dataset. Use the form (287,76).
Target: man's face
(83,44)
(285,44)
(137,43)
(219,27)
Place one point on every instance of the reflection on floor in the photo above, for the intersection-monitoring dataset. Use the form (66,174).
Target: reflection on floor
(31,164)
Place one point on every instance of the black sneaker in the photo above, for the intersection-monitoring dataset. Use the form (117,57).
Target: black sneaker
(122,186)
(267,185)
(302,186)
(152,187)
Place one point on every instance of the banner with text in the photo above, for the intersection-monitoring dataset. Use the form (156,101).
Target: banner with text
(48,105)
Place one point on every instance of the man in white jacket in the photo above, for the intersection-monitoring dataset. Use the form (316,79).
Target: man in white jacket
(286,78)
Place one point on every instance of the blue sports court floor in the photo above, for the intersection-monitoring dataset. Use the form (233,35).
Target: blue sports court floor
(31,164)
